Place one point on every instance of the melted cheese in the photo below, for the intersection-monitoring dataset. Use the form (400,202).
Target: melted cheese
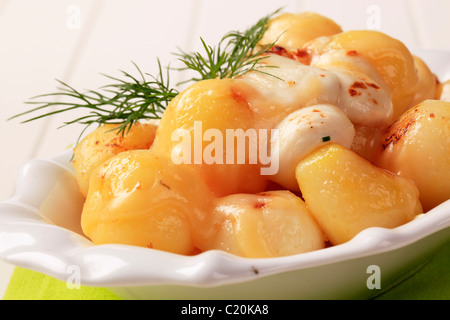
(286,85)
(303,131)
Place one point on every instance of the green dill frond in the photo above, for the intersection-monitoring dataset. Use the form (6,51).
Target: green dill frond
(123,102)
(237,53)
(128,100)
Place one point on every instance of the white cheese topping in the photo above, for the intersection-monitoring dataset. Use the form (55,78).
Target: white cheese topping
(288,82)
(288,85)
(303,131)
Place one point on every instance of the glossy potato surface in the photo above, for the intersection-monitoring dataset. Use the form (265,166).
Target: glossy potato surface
(347,194)
(292,30)
(417,146)
(215,106)
(103,143)
(427,85)
(269,224)
(141,198)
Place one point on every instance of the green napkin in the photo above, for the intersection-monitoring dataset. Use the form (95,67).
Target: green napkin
(432,282)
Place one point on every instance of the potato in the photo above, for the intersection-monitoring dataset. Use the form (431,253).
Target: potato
(269,224)
(426,87)
(367,142)
(291,31)
(417,146)
(347,194)
(212,106)
(103,143)
(140,198)
(301,132)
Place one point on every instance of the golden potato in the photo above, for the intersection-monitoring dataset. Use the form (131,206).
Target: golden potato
(417,146)
(269,224)
(140,198)
(292,30)
(219,107)
(347,194)
(367,142)
(103,143)
(426,87)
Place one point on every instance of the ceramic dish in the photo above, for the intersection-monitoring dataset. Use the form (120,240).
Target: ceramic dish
(40,230)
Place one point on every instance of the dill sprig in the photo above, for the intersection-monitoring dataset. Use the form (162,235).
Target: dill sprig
(131,99)
(123,102)
(237,53)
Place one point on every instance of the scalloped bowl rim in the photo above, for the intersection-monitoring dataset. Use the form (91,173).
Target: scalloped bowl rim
(113,265)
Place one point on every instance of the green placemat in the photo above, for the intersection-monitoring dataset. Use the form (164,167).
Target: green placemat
(432,282)
(31,285)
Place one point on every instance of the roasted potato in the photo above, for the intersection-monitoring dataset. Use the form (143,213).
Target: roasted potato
(141,198)
(217,107)
(269,224)
(417,147)
(346,194)
(291,31)
(103,143)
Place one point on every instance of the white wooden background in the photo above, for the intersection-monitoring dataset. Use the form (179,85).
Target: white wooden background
(76,40)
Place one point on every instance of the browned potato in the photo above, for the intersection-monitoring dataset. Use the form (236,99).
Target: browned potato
(103,143)
(141,198)
(417,146)
(347,194)
(427,84)
(269,224)
(291,31)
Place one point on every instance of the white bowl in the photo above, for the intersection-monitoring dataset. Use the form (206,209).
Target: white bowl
(40,230)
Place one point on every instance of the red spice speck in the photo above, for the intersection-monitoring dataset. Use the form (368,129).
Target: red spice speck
(353,92)
(432,115)
(113,145)
(373,85)
(301,53)
(260,204)
(281,52)
(352,53)
(237,95)
(359,85)
(302,56)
